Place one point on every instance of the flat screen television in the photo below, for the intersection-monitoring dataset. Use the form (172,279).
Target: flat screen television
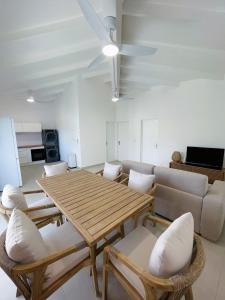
(205,157)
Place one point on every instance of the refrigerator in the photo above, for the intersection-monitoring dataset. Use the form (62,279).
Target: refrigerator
(9,159)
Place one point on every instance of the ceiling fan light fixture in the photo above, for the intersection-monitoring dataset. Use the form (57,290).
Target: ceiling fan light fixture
(110,50)
(30,99)
(115,99)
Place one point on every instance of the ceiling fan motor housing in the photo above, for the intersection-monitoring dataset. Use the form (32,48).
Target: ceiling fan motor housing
(109,8)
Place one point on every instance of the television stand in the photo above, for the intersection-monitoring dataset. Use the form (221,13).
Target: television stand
(211,173)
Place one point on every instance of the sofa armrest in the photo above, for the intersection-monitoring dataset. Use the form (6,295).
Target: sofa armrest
(213,211)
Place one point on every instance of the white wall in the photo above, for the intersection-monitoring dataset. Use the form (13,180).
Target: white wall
(67,123)
(95,108)
(192,114)
(81,118)
(20,110)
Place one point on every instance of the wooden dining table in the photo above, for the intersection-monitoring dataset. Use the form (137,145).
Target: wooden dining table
(95,206)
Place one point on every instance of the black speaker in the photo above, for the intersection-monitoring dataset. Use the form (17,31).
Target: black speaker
(52,154)
(50,137)
(51,143)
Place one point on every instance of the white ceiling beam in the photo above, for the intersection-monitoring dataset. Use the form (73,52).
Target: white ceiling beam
(32,31)
(157,70)
(92,44)
(77,67)
(184,11)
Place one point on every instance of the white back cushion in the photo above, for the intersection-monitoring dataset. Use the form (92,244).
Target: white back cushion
(23,243)
(57,169)
(140,182)
(111,171)
(12,197)
(173,249)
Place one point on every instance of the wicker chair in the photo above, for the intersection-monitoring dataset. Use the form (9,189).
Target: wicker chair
(117,179)
(124,178)
(154,288)
(42,214)
(62,168)
(30,279)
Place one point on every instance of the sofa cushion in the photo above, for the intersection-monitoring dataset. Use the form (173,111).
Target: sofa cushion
(188,182)
(140,182)
(173,249)
(111,171)
(57,169)
(140,167)
(23,243)
(12,197)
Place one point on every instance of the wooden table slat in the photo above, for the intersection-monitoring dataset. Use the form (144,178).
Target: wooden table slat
(114,216)
(101,202)
(109,209)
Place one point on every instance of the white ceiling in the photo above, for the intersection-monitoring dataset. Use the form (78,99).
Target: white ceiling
(44,44)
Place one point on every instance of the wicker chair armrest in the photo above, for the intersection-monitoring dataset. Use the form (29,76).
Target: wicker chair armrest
(40,207)
(99,172)
(156,219)
(48,260)
(33,192)
(146,277)
(4,210)
(118,178)
(151,192)
(125,181)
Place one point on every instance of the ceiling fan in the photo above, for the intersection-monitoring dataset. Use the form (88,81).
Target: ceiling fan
(104,30)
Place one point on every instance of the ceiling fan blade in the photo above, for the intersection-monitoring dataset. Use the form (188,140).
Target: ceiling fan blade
(97,61)
(133,50)
(94,20)
(125,97)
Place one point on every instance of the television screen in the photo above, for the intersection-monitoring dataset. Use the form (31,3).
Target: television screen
(205,157)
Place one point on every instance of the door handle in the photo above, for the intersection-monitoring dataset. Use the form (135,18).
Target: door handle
(119,143)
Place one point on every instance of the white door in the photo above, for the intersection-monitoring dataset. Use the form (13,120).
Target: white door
(9,160)
(110,141)
(122,140)
(149,141)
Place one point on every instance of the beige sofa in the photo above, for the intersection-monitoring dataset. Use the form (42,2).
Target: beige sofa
(179,191)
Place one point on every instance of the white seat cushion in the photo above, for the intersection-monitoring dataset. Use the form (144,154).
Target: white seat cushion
(42,212)
(57,169)
(23,243)
(111,171)
(137,245)
(12,198)
(173,249)
(140,182)
(60,238)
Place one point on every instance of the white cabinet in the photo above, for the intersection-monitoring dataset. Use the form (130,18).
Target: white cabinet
(24,156)
(28,127)
(19,127)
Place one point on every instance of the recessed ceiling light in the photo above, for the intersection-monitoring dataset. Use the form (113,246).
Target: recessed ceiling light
(110,50)
(115,99)
(30,99)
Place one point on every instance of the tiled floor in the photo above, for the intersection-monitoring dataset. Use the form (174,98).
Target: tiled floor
(210,286)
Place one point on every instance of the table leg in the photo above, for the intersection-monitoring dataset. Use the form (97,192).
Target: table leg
(121,230)
(94,270)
